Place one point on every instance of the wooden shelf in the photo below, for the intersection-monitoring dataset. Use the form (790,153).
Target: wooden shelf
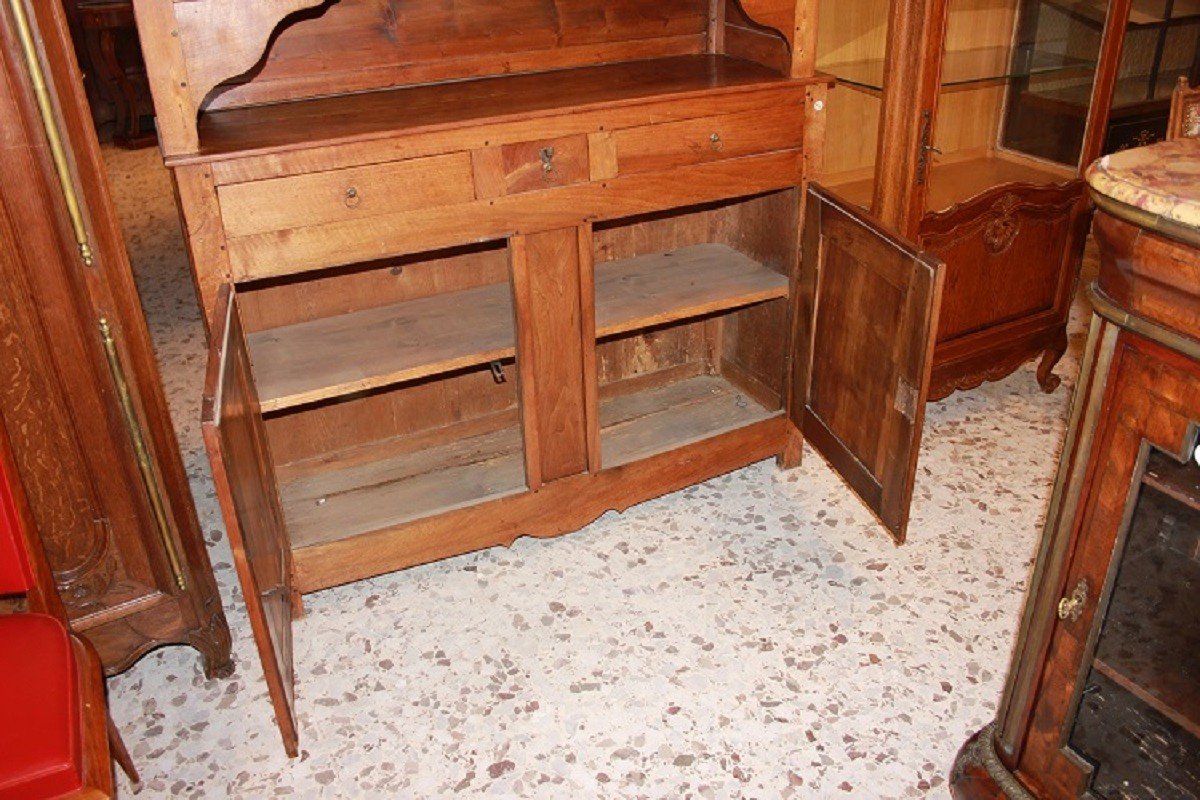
(1178,481)
(661,418)
(336,356)
(1185,716)
(958,179)
(667,287)
(285,126)
(397,481)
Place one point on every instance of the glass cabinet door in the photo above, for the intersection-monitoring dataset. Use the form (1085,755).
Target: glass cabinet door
(1138,721)
(1046,115)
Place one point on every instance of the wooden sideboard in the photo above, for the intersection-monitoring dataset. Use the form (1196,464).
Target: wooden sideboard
(1103,697)
(81,400)
(499,268)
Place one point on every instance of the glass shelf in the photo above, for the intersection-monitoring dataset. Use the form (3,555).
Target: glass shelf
(963,67)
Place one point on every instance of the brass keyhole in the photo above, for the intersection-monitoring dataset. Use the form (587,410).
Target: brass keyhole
(352,198)
(1071,606)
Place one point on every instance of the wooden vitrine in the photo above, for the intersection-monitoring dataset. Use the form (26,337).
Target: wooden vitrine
(474,271)
(923,129)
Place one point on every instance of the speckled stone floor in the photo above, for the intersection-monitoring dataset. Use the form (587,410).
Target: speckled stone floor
(756,636)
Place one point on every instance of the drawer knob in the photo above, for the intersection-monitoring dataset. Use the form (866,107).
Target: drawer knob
(352,197)
(1071,606)
(715,140)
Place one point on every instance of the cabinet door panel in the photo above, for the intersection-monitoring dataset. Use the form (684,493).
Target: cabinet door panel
(245,480)
(865,334)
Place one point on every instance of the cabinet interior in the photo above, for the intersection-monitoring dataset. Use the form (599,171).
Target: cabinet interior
(706,351)
(985,57)
(389,390)
(1139,719)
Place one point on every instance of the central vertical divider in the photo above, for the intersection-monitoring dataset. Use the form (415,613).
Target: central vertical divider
(550,352)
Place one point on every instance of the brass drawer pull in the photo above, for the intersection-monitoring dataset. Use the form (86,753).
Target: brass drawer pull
(353,198)
(1071,606)
(547,156)
(715,140)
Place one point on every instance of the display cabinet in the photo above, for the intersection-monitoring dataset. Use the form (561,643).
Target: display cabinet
(918,131)
(1046,115)
(1103,697)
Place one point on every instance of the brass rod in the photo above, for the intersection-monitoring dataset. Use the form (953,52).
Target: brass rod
(58,152)
(145,466)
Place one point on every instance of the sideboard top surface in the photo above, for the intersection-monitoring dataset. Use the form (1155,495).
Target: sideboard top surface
(378,114)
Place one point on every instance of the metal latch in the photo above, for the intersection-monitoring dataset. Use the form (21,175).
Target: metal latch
(498,372)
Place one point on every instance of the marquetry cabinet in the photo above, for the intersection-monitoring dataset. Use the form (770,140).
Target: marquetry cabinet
(933,127)
(81,400)
(1103,696)
(476,270)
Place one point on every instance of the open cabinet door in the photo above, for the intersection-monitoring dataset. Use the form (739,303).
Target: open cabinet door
(245,482)
(865,329)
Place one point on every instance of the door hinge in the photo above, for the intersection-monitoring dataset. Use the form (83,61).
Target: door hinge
(906,399)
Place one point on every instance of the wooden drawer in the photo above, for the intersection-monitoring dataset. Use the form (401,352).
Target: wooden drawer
(695,141)
(530,166)
(345,195)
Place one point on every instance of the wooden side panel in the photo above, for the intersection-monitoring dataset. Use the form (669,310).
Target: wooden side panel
(869,356)
(245,482)
(546,281)
(1003,255)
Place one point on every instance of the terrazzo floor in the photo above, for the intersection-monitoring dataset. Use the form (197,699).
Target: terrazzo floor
(756,636)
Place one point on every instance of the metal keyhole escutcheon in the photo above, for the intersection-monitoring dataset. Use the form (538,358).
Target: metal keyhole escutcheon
(1071,606)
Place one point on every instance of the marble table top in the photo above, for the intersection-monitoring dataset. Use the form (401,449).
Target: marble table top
(1162,180)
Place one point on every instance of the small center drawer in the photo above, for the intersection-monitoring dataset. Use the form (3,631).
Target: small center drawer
(694,141)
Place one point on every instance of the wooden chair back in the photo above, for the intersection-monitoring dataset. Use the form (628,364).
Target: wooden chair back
(1184,122)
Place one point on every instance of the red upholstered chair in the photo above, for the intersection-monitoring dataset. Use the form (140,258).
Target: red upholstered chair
(54,727)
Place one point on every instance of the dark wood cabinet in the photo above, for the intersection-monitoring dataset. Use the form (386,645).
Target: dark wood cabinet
(1103,697)
(81,400)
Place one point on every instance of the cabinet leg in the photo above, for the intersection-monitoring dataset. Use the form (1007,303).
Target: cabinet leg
(215,646)
(793,450)
(1050,357)
(297,600)
(120,753)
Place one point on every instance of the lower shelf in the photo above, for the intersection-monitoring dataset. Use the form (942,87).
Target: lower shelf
(389,483)
(639,424)
(398,481)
